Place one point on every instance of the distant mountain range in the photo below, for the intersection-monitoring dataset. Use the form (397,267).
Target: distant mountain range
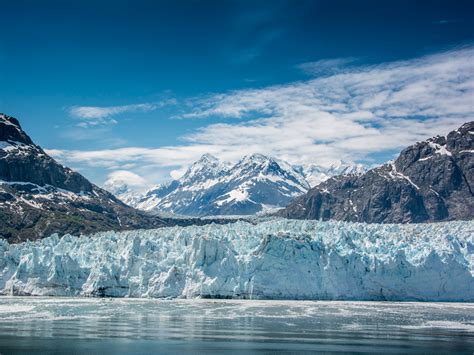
(210,187)
(316,174)
(429,181)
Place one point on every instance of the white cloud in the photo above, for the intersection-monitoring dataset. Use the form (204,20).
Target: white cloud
(347,115)
(351,114)
(91,116)
(94,112)
(326,66)
(120,157)
(129,178)
(178,173)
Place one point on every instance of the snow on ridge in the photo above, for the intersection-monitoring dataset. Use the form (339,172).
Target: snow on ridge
(41,194)
(237,195)
(15,147)
(316,174)
(209,186)
(393,173)
(439,149)
(271,259)
(4,120)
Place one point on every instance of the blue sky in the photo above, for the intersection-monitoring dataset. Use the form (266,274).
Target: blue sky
(142,89)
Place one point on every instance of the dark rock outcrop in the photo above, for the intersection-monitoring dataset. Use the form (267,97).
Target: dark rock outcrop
(429,181)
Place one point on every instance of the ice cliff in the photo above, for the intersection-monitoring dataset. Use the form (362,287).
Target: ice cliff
(270,259)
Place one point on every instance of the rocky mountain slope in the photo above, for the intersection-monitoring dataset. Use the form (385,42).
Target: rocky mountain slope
(429,181)
(39,196)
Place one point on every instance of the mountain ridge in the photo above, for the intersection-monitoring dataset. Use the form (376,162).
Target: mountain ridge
(211,187)
(253,185)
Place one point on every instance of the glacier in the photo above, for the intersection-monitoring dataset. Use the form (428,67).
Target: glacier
(259,259)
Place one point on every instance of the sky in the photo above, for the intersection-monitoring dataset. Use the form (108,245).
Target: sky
(139,90)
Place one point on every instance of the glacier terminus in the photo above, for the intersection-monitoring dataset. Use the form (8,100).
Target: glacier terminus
(257,259)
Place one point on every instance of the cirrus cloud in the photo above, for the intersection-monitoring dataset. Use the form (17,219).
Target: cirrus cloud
(91,116)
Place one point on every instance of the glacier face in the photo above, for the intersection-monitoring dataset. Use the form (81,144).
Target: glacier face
(279,259)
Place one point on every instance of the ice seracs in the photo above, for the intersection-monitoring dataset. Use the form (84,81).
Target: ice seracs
(276,259)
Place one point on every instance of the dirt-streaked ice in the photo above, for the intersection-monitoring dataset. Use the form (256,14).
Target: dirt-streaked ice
(284,259)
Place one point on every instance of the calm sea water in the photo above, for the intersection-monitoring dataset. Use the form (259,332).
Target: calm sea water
(102,326)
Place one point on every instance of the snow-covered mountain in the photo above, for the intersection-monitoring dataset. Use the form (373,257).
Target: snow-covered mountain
(254,184)
(316,174)
(123,191)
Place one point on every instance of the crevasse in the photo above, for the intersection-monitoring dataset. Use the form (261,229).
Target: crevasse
(275,259)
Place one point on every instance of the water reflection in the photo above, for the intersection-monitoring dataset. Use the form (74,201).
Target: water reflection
(131,326)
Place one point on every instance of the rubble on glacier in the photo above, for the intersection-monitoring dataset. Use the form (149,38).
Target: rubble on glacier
(275,259)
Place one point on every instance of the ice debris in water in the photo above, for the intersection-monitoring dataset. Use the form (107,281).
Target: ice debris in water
(278,259)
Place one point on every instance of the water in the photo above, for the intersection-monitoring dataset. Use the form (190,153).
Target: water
(103,326)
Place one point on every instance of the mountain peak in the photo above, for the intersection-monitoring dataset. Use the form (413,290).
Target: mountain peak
(204,168)
(207,158)
(466,127)
(316,174)
(10,130)
(258,157)
(116,187)
(9,120)
(212,187)
(255,158)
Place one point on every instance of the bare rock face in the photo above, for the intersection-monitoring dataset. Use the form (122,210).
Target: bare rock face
(39,196)
(22,160)
(429,181)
